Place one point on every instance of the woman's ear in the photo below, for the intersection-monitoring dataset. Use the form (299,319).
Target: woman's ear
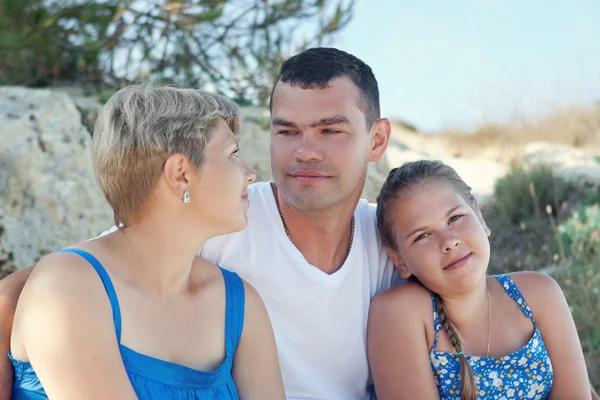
(399,263)
(176,172)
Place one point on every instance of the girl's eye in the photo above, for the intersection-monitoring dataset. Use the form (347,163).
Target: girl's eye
(236,152)
(421,236)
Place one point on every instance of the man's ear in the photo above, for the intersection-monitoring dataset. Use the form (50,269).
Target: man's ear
(382,131)
(399,263)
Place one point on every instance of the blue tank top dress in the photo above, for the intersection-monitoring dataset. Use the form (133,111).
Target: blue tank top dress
(152,378)
(524,374)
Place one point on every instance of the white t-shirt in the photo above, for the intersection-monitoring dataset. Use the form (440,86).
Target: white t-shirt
(319,320)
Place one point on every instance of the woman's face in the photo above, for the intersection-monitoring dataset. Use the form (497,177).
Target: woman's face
(219,194)
(440,238)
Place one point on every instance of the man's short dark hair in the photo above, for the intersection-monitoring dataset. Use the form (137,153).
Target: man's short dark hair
(316,67)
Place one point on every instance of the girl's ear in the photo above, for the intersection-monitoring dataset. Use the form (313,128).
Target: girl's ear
(399,263)
(480,217)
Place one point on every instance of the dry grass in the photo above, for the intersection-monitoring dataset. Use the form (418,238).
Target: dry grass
(579,128)
(573,127)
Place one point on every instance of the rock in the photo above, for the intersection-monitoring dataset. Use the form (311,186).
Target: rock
(48,195)
(89,108)
(478,173)
(569,162)
(255,142)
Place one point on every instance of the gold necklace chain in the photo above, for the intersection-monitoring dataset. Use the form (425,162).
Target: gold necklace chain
(287,232)
(487,354)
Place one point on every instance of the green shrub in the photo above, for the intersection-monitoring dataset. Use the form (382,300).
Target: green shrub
(590,195)
(579,277)
(523,194)
(105,95)
(43,41)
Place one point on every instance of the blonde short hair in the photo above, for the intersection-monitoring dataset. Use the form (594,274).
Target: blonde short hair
(140,127)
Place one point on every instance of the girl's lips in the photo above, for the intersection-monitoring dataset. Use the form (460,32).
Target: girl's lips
(460,262)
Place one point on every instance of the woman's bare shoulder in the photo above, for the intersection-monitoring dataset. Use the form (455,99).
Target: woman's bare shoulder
(63,294)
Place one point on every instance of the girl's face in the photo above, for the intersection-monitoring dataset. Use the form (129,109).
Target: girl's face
(440,238)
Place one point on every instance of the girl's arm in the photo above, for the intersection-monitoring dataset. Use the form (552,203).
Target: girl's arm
(555,322)
(397,344)
(256,370)
(64,326)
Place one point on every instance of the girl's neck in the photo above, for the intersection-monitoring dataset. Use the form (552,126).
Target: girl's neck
(467,309)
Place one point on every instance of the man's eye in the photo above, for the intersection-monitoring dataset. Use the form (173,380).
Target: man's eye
(456,217)
(330,131)
(286,133)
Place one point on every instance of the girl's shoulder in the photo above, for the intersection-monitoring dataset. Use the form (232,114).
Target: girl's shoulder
(534,283)
(406,301)
(539,290)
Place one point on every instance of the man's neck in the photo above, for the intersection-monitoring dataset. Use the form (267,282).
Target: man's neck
(323,238)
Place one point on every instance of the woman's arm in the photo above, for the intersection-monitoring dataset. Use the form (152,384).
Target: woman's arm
(397,344)
(64,326)
(555,322)
(10,290)
(256,367)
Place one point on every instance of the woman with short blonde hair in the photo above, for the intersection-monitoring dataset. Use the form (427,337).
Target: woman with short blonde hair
(136,313)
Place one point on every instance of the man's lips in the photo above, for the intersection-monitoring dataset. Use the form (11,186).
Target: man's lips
(459,261)
(306,173)
(308,177)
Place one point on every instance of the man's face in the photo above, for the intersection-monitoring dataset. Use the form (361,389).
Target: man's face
(320,144)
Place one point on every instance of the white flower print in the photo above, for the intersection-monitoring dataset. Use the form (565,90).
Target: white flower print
(527,373)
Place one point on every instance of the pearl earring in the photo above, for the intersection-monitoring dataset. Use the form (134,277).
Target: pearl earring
(186,197)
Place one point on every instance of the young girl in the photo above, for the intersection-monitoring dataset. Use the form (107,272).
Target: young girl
(452,332)
(136,314)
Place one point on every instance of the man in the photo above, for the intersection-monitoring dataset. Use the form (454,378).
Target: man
(311,247)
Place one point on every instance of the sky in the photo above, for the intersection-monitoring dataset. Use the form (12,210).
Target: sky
(458,64)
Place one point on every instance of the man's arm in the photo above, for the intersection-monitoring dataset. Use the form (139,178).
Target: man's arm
(10,289)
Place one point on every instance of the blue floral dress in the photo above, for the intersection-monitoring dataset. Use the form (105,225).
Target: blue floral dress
(524,374)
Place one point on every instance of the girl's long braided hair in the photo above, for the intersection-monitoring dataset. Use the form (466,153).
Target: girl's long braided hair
(399,181)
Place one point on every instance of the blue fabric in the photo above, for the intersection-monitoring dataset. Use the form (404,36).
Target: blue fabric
(524,374)
(152,378)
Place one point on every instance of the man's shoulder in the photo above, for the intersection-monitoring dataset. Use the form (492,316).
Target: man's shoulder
(366,208)
(366,213)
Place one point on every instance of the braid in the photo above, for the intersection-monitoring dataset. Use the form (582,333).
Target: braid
(468,385)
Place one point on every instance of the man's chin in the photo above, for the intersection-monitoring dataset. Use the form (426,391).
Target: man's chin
(310,201)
